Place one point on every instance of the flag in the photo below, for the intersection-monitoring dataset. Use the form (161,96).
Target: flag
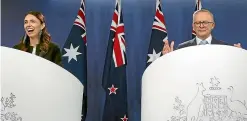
(114,75)
(198,7)
(74,53)
(158,35)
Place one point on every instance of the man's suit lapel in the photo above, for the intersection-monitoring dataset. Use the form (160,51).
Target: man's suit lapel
(193,42)
(214,41)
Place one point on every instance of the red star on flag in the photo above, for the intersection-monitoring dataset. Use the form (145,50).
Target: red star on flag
(112,89)
(124,118)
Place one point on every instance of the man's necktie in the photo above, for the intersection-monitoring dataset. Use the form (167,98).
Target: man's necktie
(203,42)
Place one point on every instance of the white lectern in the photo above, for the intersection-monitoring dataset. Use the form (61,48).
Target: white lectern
(35,89)
(199,83)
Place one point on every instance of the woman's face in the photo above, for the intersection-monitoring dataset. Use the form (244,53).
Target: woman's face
(32,26)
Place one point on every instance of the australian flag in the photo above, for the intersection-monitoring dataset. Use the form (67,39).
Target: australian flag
(75,54)
(159,34)
(114,75)
(198,7)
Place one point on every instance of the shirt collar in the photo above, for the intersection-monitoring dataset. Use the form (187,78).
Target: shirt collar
(209,39)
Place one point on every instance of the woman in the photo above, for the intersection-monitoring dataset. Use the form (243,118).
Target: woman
(37,40)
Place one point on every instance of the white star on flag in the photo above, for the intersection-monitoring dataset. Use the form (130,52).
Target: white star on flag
(166,38)
(71,52)
(112,89)
(154,56)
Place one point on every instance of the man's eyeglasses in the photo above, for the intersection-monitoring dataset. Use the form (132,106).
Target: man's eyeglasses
(204,23)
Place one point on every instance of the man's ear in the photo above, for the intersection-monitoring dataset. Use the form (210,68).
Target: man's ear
(213,25)
(192,26)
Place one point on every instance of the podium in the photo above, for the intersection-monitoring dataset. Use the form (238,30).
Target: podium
(35,89)
(198,83)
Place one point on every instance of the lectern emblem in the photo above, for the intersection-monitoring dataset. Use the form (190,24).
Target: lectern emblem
(8,103)
(211,107)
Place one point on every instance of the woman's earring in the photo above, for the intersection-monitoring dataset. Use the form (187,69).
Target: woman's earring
(40,33)
(24,38)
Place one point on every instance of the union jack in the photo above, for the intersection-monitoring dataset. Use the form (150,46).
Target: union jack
(117,27)
(81,20)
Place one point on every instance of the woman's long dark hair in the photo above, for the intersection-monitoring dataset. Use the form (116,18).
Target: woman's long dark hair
(45,37)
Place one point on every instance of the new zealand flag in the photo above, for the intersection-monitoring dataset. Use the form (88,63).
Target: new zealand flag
(114,75)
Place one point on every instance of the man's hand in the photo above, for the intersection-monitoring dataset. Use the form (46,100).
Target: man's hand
(167,48)
(238,45)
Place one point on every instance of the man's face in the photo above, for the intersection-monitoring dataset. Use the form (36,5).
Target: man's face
(203,24)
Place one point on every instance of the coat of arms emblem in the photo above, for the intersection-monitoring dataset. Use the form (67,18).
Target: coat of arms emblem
(211,107)
(6,104)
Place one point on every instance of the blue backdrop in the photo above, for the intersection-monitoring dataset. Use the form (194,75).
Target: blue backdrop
(138,15)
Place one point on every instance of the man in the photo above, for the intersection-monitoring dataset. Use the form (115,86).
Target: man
(203,24)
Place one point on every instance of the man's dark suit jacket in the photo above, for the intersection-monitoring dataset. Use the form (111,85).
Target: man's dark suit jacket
(193,43)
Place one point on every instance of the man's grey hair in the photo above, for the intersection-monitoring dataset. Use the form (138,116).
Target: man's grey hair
(203,10)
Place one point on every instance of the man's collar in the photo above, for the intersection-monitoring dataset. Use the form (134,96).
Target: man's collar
(209,39)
